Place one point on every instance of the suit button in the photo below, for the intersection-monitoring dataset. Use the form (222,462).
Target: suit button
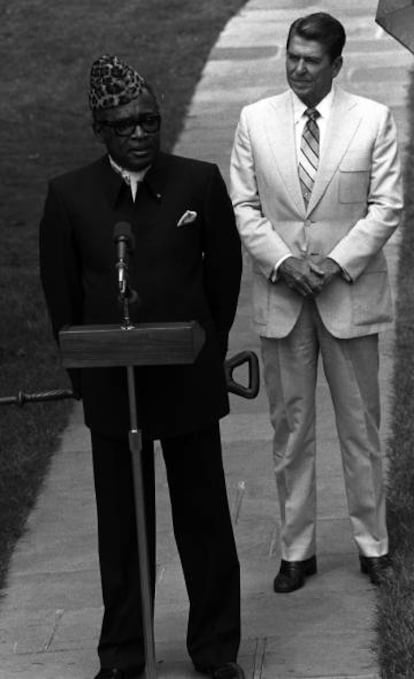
(308,223)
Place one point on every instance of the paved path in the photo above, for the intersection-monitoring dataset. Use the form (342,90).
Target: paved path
(50,617)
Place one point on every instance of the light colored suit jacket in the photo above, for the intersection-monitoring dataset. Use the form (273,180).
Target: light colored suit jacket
(355,206)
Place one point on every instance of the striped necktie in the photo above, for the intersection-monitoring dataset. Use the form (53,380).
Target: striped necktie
(309,153)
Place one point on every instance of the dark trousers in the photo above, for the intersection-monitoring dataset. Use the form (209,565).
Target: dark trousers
(204,537)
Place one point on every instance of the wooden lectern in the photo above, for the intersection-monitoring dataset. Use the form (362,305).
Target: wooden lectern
(129,346)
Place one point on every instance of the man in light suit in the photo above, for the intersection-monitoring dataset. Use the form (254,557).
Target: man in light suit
(316,189)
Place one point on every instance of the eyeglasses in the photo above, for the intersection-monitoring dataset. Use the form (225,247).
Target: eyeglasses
(148,122)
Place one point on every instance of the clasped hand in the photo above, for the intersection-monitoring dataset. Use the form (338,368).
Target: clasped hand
(307,277)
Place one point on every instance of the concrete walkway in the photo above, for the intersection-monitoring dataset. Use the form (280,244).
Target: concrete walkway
(49,619)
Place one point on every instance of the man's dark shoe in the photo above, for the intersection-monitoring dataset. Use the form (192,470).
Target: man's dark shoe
(376,567)
(115,673)
(230,670)
(292,574)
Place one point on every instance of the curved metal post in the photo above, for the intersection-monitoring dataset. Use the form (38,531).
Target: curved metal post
(135,446)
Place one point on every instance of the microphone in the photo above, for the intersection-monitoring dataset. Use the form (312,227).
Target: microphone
(124,243)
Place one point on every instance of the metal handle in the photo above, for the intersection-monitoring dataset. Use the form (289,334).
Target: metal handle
(22,398)
(237,360)
(230,365)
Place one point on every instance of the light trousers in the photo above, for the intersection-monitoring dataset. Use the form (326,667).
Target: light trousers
(290,374)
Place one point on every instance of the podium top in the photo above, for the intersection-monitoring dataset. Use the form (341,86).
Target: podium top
(93,346)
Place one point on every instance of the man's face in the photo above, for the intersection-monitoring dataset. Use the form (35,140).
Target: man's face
(309,69)
(133,146)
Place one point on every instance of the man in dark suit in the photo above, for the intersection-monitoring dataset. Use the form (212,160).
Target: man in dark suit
(186,265)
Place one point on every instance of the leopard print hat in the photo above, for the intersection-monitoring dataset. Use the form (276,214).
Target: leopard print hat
(113,83)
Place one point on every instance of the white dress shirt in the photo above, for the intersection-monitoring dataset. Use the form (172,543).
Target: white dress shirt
(300,120)
(129,177)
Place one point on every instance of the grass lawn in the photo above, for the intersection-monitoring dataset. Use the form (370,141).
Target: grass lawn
(48,47)
(395,609)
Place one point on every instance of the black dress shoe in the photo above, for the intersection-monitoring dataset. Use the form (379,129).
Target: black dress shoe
(376,567)
(115,673)
(230,670)
(292,574)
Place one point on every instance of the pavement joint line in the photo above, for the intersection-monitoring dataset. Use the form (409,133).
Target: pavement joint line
(161,574)
(240,492)
(259,656)
(58,617)
(273,540)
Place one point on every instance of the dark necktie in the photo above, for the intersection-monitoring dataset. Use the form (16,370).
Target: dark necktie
(309,153)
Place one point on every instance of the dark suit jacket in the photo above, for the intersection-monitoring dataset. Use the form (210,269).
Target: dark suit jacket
(191,272)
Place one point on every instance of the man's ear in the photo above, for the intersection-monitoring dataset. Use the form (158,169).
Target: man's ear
(337,65)
(98,131)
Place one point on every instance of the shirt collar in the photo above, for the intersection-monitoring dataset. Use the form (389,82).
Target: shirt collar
(155,179)
(324,106)
(128,175)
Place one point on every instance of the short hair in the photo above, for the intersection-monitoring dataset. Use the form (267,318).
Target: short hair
(323,28)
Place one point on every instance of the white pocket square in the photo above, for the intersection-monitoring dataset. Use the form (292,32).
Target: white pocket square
(188,217)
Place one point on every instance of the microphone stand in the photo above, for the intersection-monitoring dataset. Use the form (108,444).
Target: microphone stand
(128,296)
(126,299)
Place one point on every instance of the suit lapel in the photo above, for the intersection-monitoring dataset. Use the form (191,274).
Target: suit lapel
(110,181)
(344,120)
(280,132)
